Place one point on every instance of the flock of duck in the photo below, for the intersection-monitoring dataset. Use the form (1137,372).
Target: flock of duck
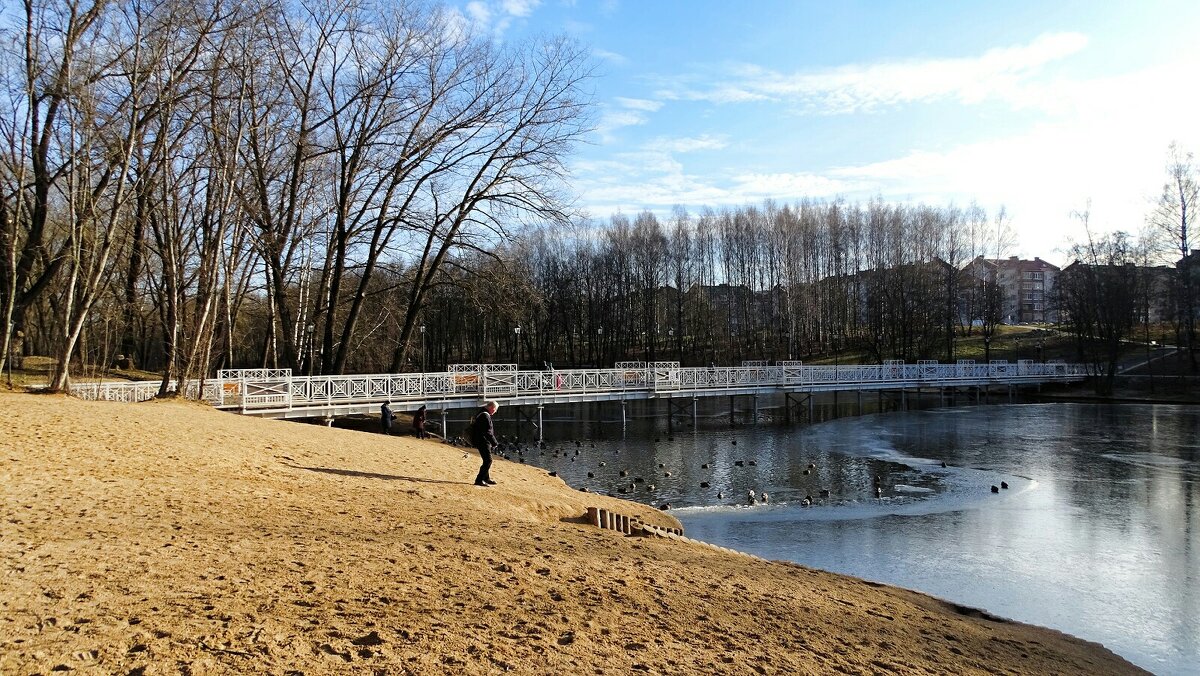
(511,450)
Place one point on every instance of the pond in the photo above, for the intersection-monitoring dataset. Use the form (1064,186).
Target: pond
(1097,532)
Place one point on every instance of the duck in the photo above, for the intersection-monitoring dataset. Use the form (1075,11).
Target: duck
(1004,485)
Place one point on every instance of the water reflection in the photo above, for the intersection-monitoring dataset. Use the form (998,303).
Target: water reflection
(1095,536)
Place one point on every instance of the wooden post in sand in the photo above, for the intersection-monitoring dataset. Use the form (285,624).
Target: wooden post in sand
(593,515)
(612,521)
(624,524)
(602,517)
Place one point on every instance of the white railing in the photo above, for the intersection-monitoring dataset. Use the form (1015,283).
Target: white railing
(278,389)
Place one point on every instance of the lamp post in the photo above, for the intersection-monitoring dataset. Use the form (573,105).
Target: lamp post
(1042,350)
(671,340)
(987,349)
(422,348)
(1018,339)
(1150,362)
(517,331)
(599,345)
(308,330)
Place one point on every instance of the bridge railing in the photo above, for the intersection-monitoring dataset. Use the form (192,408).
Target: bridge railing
(277,388)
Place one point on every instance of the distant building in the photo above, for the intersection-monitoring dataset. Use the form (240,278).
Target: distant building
(1026,287)
(1154,284)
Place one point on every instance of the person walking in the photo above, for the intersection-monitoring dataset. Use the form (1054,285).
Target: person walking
(483,436)
(386,417)
(419,423)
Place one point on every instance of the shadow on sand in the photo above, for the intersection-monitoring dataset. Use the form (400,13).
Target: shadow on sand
(375,475)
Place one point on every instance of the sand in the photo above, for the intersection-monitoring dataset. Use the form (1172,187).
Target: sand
(168,537)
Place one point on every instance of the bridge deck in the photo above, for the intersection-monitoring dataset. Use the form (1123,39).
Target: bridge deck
(276,393)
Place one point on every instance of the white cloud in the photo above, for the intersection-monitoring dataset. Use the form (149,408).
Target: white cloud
(519,7)
(787,186)
(997,73)
(611,57)
(479,12)
(1106,145)
(687,144)
(612,120)
(495,17)
(639,104)
(628,112)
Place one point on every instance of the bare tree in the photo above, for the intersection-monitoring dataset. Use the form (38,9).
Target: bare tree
(1100,294)
(1172,217)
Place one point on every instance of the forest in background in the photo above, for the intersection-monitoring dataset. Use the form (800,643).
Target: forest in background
(338,187)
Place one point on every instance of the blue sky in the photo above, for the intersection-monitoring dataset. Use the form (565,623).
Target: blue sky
(1042,107)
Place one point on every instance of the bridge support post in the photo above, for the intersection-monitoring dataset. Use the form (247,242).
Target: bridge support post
(903,399)
(879,393)
(1010,389)
(732,419)
(445,430)
(756,408)
(810,408)
(858,395)
(622,415)
(540,436)
(695,412)
(836,413)
(328,421)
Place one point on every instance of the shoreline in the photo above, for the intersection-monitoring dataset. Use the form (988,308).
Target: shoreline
(170,536)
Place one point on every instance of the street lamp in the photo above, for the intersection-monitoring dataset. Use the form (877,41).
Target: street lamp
(987,349)
(309,331)
(422,348)
(1018,339)
(517,331)
(1042,350)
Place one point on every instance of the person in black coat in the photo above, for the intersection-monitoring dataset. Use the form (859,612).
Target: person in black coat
(483,436)
(419,423)
(386,417)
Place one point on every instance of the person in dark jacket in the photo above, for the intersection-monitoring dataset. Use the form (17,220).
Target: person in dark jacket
(386,417)
(419,423)
(483,436)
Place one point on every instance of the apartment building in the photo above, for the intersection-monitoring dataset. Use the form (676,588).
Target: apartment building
(1026,287)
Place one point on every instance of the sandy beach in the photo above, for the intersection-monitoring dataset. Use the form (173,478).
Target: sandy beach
(167,537)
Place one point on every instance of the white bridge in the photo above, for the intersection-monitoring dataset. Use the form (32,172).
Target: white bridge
(276,393)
